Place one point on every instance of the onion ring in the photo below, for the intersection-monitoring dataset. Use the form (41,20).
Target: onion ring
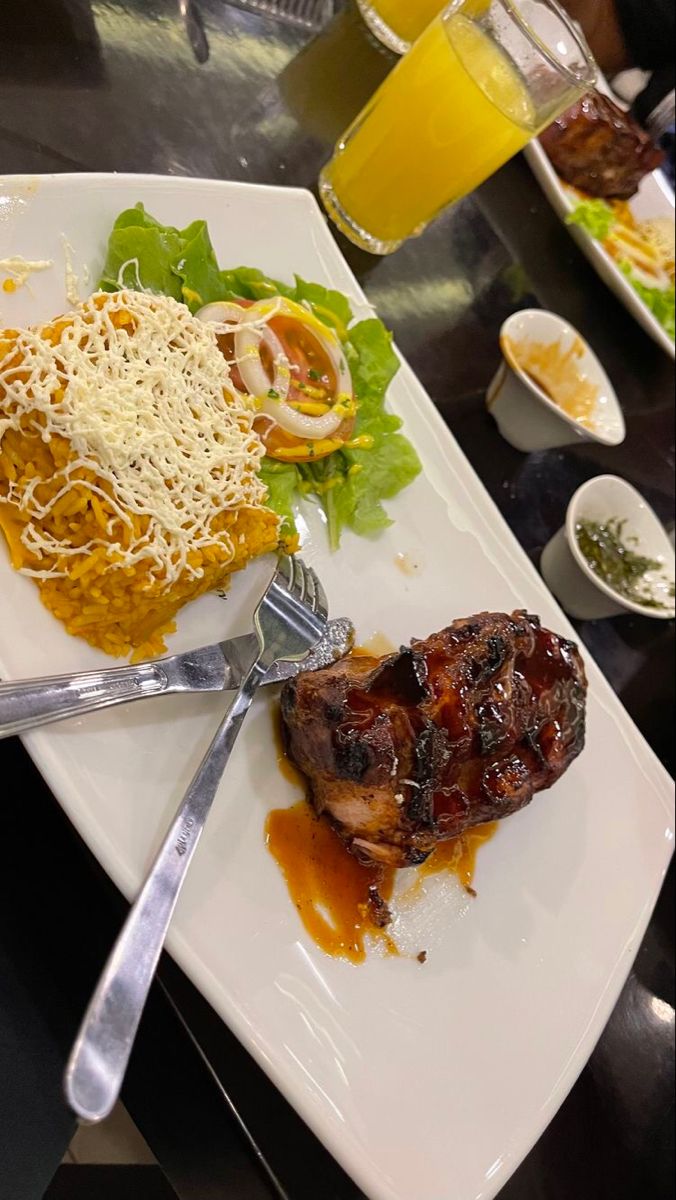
(250,335)
(221,312)
(252,330)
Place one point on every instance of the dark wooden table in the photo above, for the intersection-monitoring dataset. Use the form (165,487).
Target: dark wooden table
(133,86)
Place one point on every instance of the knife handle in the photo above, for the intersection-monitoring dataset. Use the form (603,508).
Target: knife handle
(34,702)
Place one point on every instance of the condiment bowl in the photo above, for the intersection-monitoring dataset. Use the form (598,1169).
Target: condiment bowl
(581,592)
(526,416)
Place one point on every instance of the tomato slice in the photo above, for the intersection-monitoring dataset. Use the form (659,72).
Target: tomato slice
(313,366)
(313,380)
(286,447)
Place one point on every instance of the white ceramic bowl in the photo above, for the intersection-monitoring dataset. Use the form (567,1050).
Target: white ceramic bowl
(525,415)
(567,573)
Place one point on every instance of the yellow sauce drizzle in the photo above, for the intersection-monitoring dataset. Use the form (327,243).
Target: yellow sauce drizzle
(363,442)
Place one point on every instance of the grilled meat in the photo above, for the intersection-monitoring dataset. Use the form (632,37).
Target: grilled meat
(600,149)
(409,750)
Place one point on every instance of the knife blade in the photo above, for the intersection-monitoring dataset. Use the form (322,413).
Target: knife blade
(31,703)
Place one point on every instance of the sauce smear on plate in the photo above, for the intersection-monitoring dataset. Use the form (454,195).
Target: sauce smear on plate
(459,855)
(340,900)
(330,888)
(377,646)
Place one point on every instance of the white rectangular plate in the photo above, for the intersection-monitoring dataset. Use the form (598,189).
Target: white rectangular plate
(654,198)
(429,1082)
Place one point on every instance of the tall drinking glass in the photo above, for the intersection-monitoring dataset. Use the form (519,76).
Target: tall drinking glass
(399,23)
(485,77)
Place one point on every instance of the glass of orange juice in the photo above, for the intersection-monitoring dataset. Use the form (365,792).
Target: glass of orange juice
(399,23)
(483,79)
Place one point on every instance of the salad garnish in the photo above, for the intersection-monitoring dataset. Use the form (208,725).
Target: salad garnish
(316,377)
(609,225)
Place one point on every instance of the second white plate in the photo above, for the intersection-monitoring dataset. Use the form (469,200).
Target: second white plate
(654,198)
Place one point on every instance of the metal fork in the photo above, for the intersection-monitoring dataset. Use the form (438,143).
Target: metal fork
(309,14)
(289,621)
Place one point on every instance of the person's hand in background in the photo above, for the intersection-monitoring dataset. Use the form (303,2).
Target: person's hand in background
(631,33)
(603,30)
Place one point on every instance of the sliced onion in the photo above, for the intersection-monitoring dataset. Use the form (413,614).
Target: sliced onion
(317,428)
(253,330)
(248,342)
(300,424)
(221,312)
(324,336)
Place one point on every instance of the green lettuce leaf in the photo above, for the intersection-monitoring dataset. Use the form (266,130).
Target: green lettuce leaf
(281,480)
(138,218)
(660,301)
(247,283)
(351,484)
(142,254)
(173,262)
(329,306)
(372,362)
(357,502)
(594,216)
(197,268)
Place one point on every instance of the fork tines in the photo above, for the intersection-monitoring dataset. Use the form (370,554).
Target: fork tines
(303,582)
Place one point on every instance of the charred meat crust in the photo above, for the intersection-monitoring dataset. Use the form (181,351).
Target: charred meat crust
(462,728)
(600,149)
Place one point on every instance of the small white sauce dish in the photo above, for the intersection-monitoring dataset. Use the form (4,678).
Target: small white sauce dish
(525,415)
(581,592)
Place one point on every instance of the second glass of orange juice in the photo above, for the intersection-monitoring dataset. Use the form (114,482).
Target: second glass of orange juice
(484,78)
(399,23)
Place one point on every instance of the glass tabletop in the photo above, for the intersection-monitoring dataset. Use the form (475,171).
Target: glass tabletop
(208,88)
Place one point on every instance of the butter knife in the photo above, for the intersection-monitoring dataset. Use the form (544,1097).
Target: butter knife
(30,703)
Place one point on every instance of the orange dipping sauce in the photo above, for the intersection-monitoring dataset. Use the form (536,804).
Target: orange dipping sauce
(559,374)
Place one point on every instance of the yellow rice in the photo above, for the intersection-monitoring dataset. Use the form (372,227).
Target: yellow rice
(120,610)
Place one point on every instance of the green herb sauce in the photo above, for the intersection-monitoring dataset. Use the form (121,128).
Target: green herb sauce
(610,556)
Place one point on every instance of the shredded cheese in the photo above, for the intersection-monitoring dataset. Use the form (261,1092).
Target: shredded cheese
(20,269)
(661,235)
(72,280)
(141,392)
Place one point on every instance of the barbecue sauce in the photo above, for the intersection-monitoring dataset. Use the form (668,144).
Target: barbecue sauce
(459,855)
(339,900)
